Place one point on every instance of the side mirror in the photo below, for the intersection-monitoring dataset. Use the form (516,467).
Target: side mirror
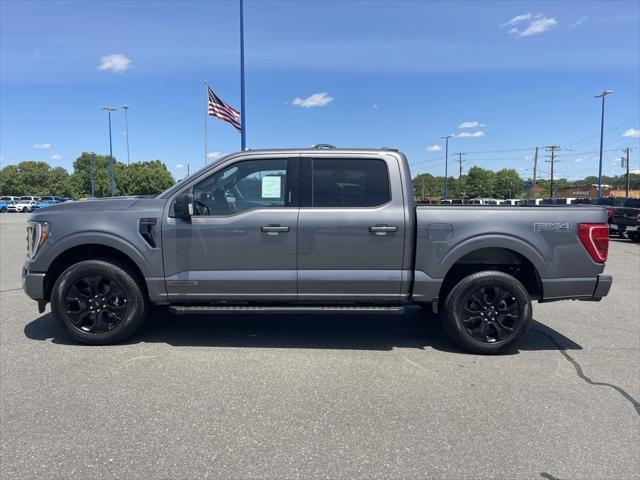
(183,206)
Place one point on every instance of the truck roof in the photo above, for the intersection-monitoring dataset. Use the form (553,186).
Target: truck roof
(322,148)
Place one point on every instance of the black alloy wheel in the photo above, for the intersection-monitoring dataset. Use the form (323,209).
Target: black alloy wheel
(491,314)
(99,302)
(487,312)
(95,304)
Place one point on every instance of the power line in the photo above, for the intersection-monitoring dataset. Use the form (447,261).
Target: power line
(586,139)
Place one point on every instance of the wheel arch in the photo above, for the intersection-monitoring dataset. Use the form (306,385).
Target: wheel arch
(499,258)
(91,251)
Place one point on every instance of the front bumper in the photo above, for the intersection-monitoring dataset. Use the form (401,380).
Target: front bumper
(33,284)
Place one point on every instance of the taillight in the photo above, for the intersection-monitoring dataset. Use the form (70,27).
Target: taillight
(595,238)
(609,213)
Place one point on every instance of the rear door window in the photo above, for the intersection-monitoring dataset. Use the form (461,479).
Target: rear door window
(340,182)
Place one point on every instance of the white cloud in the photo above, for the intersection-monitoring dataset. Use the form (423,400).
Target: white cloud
(42,146)
(517,19)
(316,100)
(215,155)
(434,148)
(636,171)
(116,62)
(477,134)
(632,132)
(375,106)
(56,157)
(471,125)
(178,167)
(539,26)
(579,22)
(535,24)
(579,160)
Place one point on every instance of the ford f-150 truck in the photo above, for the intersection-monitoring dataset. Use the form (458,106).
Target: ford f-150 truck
(307,230)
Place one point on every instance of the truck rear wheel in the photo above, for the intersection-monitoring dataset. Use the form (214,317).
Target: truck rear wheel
(98,302)
(487,312)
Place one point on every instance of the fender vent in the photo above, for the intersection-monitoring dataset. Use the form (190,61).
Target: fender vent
(145,228)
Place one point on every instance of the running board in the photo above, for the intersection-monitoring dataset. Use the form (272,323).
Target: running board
(189,310)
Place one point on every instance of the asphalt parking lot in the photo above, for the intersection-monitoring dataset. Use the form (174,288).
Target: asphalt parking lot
(313,396)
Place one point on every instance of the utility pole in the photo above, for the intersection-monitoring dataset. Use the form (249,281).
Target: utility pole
(446,165)
(627,151)
(601,95)
(552,149)
(460,162)
(535,173)
(422,188)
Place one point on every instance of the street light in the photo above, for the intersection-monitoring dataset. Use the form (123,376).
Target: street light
(112,180)
(446,166)
(601,95)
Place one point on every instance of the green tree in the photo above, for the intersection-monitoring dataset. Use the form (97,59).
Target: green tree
(81,177)
(427,186)
(508,184)
(480,182)
(33,177)
(59,182)
(145,178)
(10,181)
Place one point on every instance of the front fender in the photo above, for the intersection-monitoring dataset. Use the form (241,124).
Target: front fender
(53,250)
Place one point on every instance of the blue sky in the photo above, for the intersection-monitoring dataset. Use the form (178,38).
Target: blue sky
(365,73)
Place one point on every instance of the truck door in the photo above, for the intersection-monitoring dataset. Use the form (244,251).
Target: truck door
(351,229)
(241,242)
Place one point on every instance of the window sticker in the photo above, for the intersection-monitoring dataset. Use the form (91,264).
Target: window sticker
(271,187)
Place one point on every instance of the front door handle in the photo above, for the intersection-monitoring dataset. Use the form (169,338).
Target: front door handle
(382,229)
(274,229)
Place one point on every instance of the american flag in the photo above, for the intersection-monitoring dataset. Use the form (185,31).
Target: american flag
(217,108)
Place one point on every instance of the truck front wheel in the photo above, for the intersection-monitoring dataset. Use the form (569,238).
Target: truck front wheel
(487,312)
(98,302)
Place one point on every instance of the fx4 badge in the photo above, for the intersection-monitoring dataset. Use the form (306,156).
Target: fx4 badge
(552,227)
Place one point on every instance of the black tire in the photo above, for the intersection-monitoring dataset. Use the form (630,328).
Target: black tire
(124,308)
(481,325)
(3,210)
(25,209)
(634,237)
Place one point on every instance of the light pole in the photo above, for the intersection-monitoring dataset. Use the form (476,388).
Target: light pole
(126,127)
(446,166)
(601,95)
(112,180)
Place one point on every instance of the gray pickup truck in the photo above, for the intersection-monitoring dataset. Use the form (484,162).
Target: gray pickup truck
(307,230)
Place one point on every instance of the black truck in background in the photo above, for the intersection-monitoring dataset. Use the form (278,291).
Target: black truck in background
(625,219)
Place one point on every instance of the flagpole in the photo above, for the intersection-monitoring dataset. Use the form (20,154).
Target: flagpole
(206,113)
(243,115)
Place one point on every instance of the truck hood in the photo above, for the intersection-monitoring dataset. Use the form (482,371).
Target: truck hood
(99,204)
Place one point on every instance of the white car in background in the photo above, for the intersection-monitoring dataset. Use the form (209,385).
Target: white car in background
(23,206)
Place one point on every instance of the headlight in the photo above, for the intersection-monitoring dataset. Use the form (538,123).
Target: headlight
(37,233)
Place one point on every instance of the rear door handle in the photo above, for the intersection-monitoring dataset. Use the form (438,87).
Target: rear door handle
(274,229)
(382,229)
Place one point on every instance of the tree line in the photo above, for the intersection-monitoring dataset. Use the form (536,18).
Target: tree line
(152,177)
(39,178)
(505,183)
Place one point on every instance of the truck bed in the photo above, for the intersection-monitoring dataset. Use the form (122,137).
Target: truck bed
(544,237)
